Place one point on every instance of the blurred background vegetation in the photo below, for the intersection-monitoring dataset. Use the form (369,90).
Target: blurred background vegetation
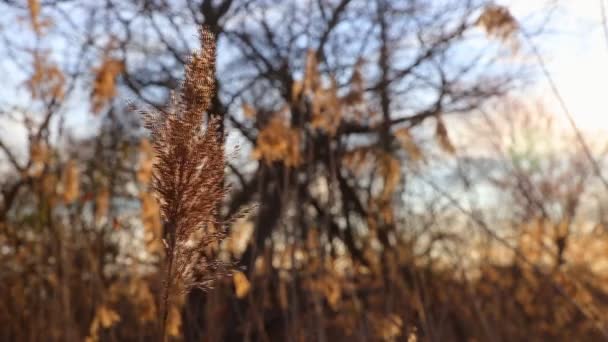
(406,185)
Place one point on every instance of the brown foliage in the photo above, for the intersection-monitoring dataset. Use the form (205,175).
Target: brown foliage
(104,85)
(47,82)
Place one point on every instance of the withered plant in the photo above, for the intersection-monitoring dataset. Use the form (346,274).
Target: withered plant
(188,177)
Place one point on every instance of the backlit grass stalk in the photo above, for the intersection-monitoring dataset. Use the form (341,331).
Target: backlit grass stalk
(188,177)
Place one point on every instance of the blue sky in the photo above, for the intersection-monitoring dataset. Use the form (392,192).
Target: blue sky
(575,50)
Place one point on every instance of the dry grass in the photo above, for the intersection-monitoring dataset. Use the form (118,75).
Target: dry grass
(188,176)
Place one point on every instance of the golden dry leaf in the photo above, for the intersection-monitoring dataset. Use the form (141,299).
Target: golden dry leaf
(311,76)
(104,318)
(386,211)
(355,95)
(563,228)
(406,140)
(534,236)
(39,156)
(52,279)
(328,286)
(240,235)
(413,335)
(382,206)
(278,142)
(104,85)
(37,22)
(333,293)
(107,317)
(390,171)
(102,204)
(283,297)
(248,111)
(241,284)
(34,11)
(150,218)
(34,7)
(312,239)
(296,90)
(140,292)
(146,161)
(92,338)
(47,81)
(174,322)
(326,108)
(49,184)
(441,133)
(358,159)
(261,265)
(71,182)
(39,152)
(388,327)
(498,22)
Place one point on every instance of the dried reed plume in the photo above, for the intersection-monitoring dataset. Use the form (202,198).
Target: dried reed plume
(188,177)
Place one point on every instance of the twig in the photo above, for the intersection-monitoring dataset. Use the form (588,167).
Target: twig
(603,18)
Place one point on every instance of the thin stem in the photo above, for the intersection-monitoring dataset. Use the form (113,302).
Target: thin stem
(165,310)
(168,281)
(603,18)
